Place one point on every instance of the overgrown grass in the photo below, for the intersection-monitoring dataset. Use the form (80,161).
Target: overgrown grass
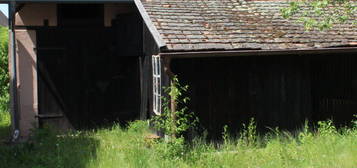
(130,147)
(5,123)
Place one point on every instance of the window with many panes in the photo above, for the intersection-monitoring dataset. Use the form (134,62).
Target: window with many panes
(156,68)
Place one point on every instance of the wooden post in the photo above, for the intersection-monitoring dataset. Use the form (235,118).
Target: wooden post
(173,103)
(13,74)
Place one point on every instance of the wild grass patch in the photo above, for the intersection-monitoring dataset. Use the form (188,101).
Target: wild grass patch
(129,147)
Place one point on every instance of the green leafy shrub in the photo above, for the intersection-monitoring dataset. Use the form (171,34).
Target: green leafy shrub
(174,123)
(4,72)
(326,128)
(305,136)
(321,14)
(249,133)
(173,148)
(4,85)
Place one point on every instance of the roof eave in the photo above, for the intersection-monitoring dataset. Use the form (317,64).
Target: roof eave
(230,53)
(150,25)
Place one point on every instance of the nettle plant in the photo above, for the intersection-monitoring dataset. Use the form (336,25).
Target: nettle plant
(321,14)
(175,121)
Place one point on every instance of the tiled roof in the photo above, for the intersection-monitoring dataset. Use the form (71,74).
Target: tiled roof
(237,24)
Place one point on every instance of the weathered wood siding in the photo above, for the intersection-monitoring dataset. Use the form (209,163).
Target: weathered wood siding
(90,75)
(278,91)
(150,48)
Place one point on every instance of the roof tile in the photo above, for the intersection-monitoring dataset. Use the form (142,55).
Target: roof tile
(238,24)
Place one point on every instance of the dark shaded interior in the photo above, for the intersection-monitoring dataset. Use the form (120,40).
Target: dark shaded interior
(80,15)
(88,73)
(278,91)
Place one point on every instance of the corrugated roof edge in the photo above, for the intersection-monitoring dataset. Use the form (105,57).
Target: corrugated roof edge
(152,28)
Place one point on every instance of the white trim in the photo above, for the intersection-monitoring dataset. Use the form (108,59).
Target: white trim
(156,84)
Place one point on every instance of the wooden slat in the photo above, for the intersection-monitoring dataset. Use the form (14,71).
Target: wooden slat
(49,116)
(278,91)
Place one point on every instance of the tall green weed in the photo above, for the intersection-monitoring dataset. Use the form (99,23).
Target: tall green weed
(128,147)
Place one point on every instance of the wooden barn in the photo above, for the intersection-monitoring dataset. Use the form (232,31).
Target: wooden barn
(80,64)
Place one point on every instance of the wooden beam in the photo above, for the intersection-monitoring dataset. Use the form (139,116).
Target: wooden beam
(15,111)
(173,103)
(49,116)
(231,53)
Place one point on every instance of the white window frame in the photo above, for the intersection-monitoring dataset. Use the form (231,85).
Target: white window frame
(156,73)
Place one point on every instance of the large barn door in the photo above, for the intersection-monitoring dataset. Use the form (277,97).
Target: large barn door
(51,76)
(90,75)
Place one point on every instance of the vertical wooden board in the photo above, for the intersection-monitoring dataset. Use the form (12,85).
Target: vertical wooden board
(230,91)
(100,84)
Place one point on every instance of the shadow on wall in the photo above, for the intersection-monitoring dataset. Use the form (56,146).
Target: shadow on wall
(48,150)
(37,15)
(26,80)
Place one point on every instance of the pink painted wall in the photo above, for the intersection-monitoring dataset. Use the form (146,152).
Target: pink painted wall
(35,14)
(29,15)
(27,80)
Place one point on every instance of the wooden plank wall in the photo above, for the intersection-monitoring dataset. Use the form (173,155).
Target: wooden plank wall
(95,72)
(334,81)
(150,48)
(276,90)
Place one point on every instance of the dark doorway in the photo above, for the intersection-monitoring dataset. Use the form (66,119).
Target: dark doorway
(80,15)
(89,74)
